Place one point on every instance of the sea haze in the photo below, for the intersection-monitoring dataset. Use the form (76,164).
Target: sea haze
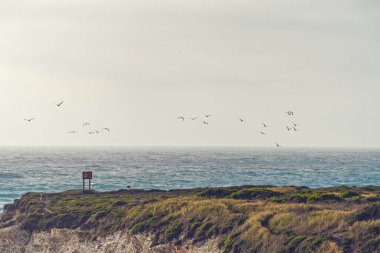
(45,169)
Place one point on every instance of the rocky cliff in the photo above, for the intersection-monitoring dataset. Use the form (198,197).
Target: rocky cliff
(231,219)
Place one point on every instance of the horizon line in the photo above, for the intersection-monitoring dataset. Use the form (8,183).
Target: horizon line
(192,146)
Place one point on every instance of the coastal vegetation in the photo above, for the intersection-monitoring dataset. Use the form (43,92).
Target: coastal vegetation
(244,219)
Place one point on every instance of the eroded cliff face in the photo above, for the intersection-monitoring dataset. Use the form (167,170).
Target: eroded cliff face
(14,239)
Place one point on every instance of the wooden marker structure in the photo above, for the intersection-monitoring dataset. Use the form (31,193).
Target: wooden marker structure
(87,175)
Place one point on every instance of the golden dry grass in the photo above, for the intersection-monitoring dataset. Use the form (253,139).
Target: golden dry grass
(329,247)
(276,220)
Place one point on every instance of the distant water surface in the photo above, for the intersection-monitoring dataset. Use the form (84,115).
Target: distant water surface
(56,169)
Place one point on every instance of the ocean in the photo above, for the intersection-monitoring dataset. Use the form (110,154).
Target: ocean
(54,169)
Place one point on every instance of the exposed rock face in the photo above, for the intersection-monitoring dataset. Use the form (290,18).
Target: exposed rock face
(15,240)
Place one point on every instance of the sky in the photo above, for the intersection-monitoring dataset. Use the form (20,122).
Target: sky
(134,66)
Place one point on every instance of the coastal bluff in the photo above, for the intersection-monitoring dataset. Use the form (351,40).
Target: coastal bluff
(222,219)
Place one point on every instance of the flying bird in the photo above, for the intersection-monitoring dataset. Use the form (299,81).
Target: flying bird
(29,119)
(290,113)
(91,132)
(183,119)
(288,128)
(294,124)
(265,125)
(107,129)
(86,124)
(263,133)
(204,122)
(278,145)
(241,120)
(59,104)
(295,129)
(73,132)
(193,118)
(208,115)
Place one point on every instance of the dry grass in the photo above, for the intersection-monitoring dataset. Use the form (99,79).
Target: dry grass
(276,220)
(329,247)
(365,230)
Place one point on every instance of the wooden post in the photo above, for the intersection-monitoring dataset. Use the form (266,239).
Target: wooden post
(89,184)
(83,184)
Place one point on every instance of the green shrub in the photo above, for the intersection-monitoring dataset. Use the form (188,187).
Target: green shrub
(172,231)
(254,193)
(215,192)
(318,196)
(227,244)
(348,194)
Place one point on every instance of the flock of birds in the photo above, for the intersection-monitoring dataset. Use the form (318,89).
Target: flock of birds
(292,127)
(84,125)
(204,120)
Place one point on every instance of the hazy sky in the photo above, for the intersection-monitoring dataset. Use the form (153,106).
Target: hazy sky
(135,66)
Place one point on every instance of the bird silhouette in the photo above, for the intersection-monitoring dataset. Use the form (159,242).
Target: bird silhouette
(204,122)
(241,120)
(290,113)
(278,145)
(86,124)
(107,129)
(208,115)
(295,129)
(193,118)
(59,104)
(183,119)
(263,133)
(294,124)
(288,128)
(73,132)
(29,120)
(265,125)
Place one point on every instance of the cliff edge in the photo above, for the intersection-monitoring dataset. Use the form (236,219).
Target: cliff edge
(225,219)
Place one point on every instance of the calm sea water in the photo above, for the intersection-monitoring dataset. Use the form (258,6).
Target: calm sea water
(57,169)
